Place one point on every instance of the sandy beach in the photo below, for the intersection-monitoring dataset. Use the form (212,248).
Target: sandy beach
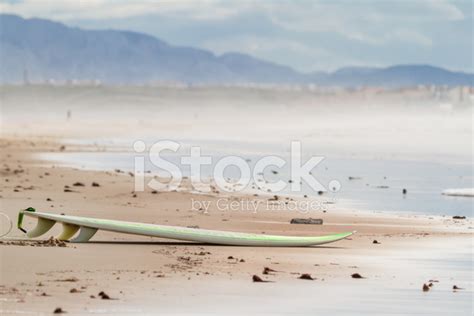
(146,275)
(143,275)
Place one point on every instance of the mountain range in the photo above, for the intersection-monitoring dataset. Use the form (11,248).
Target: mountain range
(38,50)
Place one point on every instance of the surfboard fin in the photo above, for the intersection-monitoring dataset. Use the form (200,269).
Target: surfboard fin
(68,231)
(85,234)
(42,227)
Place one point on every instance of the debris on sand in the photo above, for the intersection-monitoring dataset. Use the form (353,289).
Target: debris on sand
(95,184)
(256,278)
(306,276)
(103,295)
(310,221)
(154,192)
(51,242)
(354,178)
(430,284)
(459,217)
(268,270)
(78,184)
(71,279)
(455,287)
(74,290)
(59,310)
(375,241)
(230,258)
(357,276)
(404,191)
(426,288)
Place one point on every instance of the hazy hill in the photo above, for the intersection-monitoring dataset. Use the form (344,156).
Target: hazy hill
(44,50)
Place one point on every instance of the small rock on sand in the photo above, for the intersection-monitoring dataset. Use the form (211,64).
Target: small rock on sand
(455,287)
(256,278)
(375,241)
(426,288)
(78,184)
(59,310)
(306,276)
(104,295)
(357,276)
(268,270)
(459,217)
(95,184)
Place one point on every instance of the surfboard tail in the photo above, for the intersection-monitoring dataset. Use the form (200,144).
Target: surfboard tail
(44,225)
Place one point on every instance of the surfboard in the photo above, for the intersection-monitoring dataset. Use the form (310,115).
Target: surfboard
(88,226)
(467,192)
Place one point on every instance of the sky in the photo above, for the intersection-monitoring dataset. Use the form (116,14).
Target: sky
(306,35)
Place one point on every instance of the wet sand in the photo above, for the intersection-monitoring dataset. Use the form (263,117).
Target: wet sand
(145,275)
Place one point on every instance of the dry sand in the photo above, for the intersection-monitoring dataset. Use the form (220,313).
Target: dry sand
(145,275)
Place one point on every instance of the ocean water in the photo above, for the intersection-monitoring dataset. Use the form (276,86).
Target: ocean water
(364,183)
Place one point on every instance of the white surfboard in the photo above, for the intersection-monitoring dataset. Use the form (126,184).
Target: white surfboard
(468,192)
(88,226)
